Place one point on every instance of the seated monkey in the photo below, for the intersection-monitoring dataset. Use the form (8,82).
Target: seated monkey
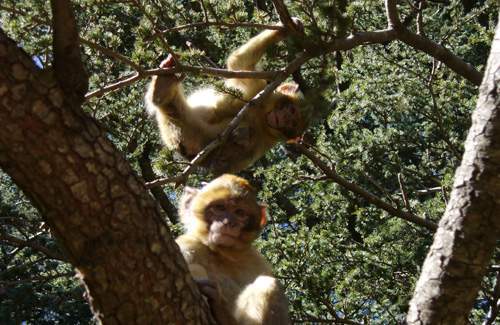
(222,219)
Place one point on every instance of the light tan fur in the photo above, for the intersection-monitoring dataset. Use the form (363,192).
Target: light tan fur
(242,276)
(188,125)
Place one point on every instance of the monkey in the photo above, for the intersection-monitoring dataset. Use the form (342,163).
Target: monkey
(187,125)
(222,219)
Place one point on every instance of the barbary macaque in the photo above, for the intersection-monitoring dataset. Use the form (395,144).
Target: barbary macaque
(187,125)
(222,219)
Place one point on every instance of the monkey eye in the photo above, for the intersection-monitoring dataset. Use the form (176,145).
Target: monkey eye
(241,216)
(219,207)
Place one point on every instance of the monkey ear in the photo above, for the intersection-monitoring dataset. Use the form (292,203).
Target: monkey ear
(187,196)
(289,88)
(263,216)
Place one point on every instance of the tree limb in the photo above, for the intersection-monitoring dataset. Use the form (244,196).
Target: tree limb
(134,77)
(68,65)
(35,245)
(470,228)
(332,174)
(286,19)
(425,45)
(218,24)
(95,205)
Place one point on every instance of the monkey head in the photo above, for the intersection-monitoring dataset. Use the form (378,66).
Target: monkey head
(224,213)
(289,115)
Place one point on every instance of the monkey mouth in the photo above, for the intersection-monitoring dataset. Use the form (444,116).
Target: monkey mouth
(272,120)
(224,239)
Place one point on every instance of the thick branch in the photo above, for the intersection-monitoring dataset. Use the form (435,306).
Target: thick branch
(68,64)
(96,207)
(332,174)
(469,230)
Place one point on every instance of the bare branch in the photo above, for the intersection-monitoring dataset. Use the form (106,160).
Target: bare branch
(403,192)
(33,244)
(434,49)
(124,81)
(363,38)
(494,303)
(68,64)
(131,78)
(217,24)
(112,54)
(285,18)
(332,174)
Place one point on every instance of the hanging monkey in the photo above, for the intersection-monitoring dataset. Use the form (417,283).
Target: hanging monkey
(187,125)
(222,219)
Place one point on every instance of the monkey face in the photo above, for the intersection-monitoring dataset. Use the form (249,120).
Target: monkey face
(226,220)
(286,118)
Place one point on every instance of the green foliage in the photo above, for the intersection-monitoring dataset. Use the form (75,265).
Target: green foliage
(396,111)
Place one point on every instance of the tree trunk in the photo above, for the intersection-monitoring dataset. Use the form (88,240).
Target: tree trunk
(467,234)
(96,207)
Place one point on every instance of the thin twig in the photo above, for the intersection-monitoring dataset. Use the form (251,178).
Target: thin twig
(403,192)
(112,54)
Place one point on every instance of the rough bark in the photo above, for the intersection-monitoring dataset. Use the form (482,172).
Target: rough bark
(96,207)
(467,234)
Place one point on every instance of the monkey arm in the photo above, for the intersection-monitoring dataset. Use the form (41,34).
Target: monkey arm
(165,94)
(247,56)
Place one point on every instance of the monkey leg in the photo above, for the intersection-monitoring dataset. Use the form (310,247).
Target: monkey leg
(262,302)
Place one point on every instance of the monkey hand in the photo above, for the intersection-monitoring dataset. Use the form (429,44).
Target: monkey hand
(217,303)
(169,63)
